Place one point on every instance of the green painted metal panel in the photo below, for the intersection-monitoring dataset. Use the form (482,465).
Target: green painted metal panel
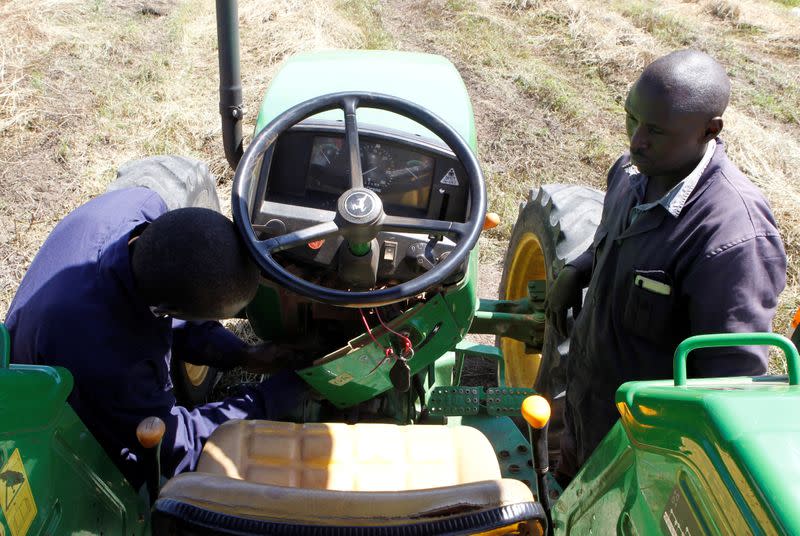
(359,372)
(469,350)
(74,485)
(462,299)
(511,447)
(442,373)
(428,80)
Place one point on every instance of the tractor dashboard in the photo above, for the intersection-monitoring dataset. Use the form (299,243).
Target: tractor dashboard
(415,177)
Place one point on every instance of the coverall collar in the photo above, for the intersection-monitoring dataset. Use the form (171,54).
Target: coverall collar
(674,200)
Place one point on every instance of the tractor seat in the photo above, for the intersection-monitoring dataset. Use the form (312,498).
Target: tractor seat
(265,477)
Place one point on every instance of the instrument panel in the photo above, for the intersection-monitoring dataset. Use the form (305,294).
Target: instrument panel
(311,168)
(415,178)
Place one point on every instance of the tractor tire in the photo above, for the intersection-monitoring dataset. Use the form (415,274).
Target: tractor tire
(554,226)
(181,182)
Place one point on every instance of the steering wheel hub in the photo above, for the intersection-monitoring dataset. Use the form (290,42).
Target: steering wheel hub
(360,206)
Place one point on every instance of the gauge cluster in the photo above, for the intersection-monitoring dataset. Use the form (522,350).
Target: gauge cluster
(402,177)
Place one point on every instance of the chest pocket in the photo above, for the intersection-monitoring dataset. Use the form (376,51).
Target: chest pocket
(650,306)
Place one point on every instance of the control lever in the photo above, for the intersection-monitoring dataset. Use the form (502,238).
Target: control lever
(536,412)
(425,253)
(150,432)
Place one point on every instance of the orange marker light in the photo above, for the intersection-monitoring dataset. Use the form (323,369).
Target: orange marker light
(796,321)
(491,221)
(536,411)
(316,244)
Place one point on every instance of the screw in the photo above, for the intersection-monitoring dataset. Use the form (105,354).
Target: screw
(522,449)
(504,454)
(513,469)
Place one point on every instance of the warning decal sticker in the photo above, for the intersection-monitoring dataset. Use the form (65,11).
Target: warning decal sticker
(450,178)
(678,518)
(341,379)
(16,497)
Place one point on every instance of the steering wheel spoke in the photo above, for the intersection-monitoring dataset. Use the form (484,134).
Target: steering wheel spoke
(349,106)
(401,224)
(300,237)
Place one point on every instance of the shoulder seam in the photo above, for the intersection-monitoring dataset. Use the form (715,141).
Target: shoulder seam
(724,247)
(741,199)
(143,203)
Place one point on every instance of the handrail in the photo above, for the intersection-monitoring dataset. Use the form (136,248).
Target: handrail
(715,340)
(5,347)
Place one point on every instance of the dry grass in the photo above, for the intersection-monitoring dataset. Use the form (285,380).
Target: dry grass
(86,86)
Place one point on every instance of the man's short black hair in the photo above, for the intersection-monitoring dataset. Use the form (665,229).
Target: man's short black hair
(193,261)
(694,81)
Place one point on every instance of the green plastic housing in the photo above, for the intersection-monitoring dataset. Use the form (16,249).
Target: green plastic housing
(75,486)
(425,79)
(697,456)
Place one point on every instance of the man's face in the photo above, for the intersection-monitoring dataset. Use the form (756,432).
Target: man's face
(663,142)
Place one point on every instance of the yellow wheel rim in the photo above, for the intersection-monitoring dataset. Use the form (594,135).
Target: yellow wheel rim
(196,373)
(527,264)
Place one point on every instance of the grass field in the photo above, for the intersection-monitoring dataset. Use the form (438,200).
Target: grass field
(88,85)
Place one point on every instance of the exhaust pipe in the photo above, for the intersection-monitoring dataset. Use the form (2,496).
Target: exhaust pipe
(230,80)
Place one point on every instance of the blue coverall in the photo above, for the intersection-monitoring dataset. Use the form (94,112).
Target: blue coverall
(710,260)
(77,307)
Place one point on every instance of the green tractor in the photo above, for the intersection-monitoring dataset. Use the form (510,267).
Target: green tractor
(362,200)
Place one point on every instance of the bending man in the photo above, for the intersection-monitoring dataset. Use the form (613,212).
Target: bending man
(100,299)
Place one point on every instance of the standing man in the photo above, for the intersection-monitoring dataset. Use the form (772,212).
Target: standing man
(100,299)
(686,245)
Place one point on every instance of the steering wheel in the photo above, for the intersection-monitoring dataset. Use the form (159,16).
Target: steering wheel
(359,216)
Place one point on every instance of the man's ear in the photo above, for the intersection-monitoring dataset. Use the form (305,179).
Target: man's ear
(713,128)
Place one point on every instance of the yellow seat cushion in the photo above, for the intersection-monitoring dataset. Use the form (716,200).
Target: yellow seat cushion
(360,457)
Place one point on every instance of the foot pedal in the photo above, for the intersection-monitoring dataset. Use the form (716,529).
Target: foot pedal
(469,400)
(506,400)
(452,401)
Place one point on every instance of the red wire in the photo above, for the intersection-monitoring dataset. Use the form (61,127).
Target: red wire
(407,346)
(387,351)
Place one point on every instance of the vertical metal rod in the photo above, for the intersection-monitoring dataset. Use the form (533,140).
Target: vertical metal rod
(5,347)
(541,464)
(230,80)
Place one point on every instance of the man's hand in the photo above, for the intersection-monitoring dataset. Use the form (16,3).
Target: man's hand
(566,292)
(269,358)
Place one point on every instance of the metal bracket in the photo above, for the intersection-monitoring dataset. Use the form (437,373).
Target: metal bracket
(521,319)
